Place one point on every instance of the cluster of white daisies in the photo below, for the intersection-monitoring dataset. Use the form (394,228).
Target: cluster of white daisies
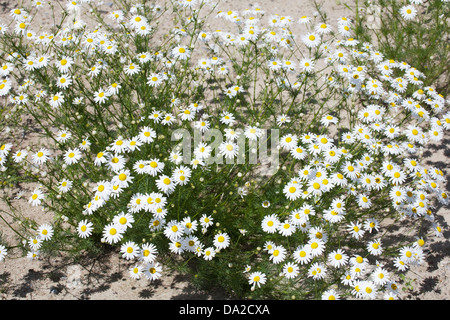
(379,155)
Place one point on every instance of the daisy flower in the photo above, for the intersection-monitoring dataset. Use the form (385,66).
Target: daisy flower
(265,204)
(408,12)
(317,271)
(371,224)
(113,89)
(64,81)
(168,119)
(363,201)
(6,68)
(148,253)
(177,246)
(56,100)
(397,194)
(307,65)
(64,64)
(65,185)
(323,28)
(123,220)
(291,270)
(136,272)
(298,153)
(330,294)
(154,80)
(72,156)
(317,247)
(157,224)
(311,40)
(84,229)
(302,255)
(152,271)
(187,114)
(368,290)
(227,118)
(130,250)
(221,240)
(355,229)
(209,253)
(438,231)
(174,230)
(231,134)
(45,231)
(374,247)
(292,191)
(166,184)
(19,156)
(100,96)
(328,119)
(123,178)
(206,221)
(282,119)
(228,149)
(36,197)
(115,162)
(337,258)
(203,125)
(100,158)
(252,133)
(113,233)
(286,229)
(85,144)
(288,141)
(5,87)
(190,225)
(181,52)
(103,189)
(35,243)
(304,19)
(147,135)
(175,157)
(31,255)
(270,223)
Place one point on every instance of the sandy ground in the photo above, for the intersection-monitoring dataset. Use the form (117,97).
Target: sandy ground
(106,278)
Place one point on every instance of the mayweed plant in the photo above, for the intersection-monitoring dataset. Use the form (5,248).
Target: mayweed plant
(269,155)
(412,31)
